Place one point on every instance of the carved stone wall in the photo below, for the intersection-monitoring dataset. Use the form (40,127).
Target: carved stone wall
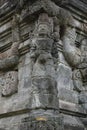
(43,65)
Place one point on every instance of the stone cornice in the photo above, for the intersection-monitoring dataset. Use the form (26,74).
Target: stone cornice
(80,5)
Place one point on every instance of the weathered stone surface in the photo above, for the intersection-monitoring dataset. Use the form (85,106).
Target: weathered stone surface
(45,101)
(72,123)
(9,83)
(68,95)
(79,4)
(43,64)
(42,122)
(64,77)
(71,107)
(78,86)
(38,85)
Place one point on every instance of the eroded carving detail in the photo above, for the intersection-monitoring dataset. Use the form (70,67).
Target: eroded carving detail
(83,62)
(48,34)
(43,74)
(77,80)
(77,58)
(44,99)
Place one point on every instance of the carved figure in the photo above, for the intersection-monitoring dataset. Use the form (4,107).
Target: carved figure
(44,100)
(75,57)
(43,74)
(81,73)
(71,53)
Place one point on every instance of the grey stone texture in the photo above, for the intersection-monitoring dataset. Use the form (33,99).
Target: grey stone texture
(9,83)
(43,65)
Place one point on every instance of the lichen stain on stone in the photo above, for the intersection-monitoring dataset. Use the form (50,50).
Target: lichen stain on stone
(41,118)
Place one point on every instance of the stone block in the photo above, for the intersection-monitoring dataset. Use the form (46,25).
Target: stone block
(9,83)
(27,60)
(24,72)
(82,97)
(27,82)
(71,107)
(44,85)
(45,101)
(72,123)
(68,95)
(64,77)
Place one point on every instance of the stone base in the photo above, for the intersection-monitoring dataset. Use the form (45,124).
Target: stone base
(42,122)
(73,123)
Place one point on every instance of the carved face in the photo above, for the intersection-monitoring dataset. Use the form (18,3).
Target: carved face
(44,30)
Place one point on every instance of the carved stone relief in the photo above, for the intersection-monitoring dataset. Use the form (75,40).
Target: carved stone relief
(43,68)
(77,80)
(60,28)
(77,58)
(52,61)
(83,64)
(80,74)
(43,103)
